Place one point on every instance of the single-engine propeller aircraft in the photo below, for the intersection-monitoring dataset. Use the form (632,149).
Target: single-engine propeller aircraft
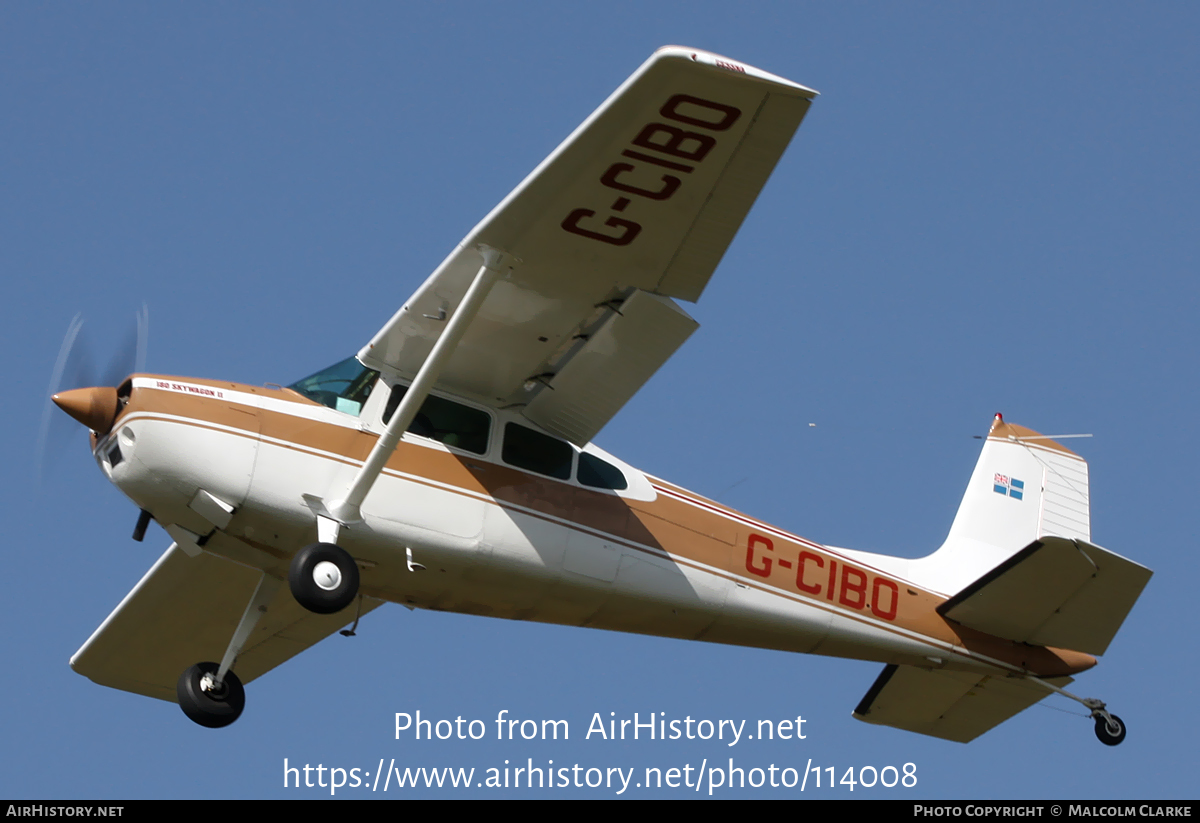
(448,465)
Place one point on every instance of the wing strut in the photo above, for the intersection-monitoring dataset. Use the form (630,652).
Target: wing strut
(346,509)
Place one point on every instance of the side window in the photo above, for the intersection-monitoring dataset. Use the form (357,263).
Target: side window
(537,452)
(445,421)
(600,474)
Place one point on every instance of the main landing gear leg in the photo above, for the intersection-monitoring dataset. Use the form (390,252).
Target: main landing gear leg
(1110,729)
(323,578)
(211,694)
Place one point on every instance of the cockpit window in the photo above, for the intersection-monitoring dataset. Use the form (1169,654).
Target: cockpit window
(344,386)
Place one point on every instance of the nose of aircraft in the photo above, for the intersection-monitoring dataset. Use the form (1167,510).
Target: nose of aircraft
(95,407)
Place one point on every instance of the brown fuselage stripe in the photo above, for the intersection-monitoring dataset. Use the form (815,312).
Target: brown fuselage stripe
(710,543)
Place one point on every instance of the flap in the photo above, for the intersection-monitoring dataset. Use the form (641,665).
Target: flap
(1055,592)
(184,611)
(646,194)
(628,345)
(952,705)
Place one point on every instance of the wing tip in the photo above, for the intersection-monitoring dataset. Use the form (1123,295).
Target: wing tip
(723,63)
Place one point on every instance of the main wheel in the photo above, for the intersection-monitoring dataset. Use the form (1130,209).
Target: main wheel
(207,704)
(323,578)
(1110,732)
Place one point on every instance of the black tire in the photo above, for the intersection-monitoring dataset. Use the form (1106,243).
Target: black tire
(1106,735)
(212,710)
(304,585)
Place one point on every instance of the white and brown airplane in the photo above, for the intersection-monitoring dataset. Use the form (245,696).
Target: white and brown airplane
(448,465)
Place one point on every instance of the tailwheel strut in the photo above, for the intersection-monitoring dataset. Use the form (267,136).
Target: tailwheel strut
(1110,729)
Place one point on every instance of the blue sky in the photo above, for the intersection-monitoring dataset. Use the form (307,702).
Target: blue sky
(988,209)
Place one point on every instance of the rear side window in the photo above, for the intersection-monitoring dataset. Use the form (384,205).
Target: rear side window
(445,421)
(536,452)
(600,474)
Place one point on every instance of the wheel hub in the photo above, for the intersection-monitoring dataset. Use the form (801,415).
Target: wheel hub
(209,685)
(327,575)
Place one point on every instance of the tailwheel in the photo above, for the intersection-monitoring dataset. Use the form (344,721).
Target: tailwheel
(206,702)
(1110,729)
(323,578)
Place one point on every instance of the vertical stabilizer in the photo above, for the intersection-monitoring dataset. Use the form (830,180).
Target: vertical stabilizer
(1025,486)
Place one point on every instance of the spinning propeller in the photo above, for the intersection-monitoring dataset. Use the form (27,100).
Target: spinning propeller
(83,392)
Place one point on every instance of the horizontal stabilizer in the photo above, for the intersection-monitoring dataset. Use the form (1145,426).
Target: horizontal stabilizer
(184,611)
(952,705)
(1055,592)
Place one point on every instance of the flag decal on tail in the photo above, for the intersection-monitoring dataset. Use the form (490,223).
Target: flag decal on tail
(1003,484)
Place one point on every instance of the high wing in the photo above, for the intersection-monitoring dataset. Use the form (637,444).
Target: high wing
(636,207)
(185,609)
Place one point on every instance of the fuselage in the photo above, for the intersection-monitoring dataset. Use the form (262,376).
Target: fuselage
(499,540)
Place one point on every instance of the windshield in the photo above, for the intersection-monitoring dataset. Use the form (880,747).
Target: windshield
(344,386)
